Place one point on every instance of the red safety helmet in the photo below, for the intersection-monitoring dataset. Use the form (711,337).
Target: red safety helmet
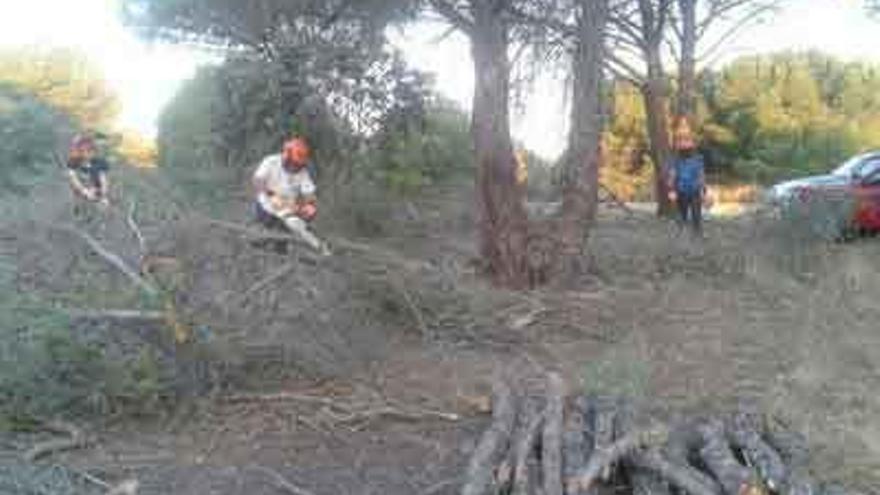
(296,153)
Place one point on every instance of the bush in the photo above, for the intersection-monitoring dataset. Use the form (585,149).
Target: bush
(46,371)
(28,130)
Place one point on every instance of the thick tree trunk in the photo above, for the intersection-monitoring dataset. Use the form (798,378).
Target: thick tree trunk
(686,101)
(581,172)
(502,219)
(656,100)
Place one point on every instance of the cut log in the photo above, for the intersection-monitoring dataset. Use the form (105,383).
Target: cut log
(493,443)
(604,458)
(574,445)
(742,432)
(551,458)
(643,481)
(602,415)
(523,448)
(682,476)
(735,479)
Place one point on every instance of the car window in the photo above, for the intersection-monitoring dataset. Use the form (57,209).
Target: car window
(870,168)
(873,179)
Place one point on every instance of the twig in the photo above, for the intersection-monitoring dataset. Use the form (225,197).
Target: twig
(114,314)
(439,486)
(77,440)
(617,201)
(284,270)
(132,224)
(281,481)
(110,258)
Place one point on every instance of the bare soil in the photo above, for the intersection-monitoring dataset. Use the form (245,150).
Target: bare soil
(682,324)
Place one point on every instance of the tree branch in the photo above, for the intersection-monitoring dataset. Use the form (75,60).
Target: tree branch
(453,15)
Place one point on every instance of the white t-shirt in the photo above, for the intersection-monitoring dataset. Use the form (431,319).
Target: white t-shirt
(288,185)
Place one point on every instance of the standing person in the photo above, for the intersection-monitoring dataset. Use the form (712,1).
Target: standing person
(687,178)
(286,193)
(87,171)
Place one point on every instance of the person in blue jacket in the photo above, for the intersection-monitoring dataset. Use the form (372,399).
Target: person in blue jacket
(687,179)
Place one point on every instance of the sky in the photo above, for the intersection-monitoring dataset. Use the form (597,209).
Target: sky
(146,75)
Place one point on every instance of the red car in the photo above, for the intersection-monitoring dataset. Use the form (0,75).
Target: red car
(851,191)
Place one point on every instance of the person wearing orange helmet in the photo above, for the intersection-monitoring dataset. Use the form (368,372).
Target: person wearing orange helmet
(286,192)
(687,183)
(87,171)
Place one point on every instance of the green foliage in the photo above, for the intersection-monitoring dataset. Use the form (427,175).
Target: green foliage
(407,159)
(794,113)
(46,371)
(28,129)
(762,118)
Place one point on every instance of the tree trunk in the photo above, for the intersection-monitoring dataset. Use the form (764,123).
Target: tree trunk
(686,101)
(503,225)
(655,95)
(581,173)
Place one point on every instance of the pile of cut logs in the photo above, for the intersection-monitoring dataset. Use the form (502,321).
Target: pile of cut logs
(551,444)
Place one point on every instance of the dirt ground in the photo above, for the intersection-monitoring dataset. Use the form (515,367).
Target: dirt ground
(681,324)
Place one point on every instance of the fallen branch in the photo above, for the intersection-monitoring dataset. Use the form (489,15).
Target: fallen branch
(111,258)
(617,201)
(77,440)
(349,412)
(493,442)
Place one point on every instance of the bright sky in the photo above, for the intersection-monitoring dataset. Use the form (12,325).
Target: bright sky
(146,76)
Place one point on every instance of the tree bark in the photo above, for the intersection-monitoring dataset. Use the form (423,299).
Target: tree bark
(581,169)
(503,225)
(656,99)
(686,101)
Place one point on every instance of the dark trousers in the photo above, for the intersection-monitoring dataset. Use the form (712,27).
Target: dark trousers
(690,209)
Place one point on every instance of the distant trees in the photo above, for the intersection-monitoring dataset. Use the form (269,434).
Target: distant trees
(65,80)
(761,118)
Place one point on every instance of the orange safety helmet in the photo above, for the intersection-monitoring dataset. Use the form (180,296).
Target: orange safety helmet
(296,153)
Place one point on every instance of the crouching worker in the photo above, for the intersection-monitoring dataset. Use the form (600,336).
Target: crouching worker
(286,193)
(87,171)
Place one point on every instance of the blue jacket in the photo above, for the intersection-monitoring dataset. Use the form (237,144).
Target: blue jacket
(688,172)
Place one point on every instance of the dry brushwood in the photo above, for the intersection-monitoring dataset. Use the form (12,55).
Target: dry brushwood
(493,442)
(77,439)
(111,258)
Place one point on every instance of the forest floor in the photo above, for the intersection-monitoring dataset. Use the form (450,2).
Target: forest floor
(680,323)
